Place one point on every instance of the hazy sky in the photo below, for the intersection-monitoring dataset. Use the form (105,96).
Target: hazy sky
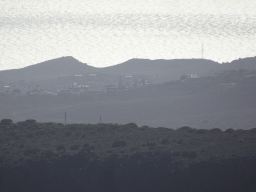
(49,7)
(108,32)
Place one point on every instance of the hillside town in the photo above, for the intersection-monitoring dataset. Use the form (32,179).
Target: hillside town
(79,85)
(78,88)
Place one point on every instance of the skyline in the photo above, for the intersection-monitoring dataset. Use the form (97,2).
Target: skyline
(102,33)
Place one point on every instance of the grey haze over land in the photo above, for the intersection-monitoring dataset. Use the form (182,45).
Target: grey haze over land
(222,96)
(141,49)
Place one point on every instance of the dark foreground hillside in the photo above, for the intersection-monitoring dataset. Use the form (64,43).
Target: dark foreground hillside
(111,157)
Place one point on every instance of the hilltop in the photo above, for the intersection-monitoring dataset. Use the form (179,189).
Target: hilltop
(51,69)
(157,69)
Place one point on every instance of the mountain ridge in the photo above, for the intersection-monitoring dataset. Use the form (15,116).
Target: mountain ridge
(66,66)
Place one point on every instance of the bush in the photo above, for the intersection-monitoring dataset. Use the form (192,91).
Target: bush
(176,153)
(165,141)
(41,132)
(47,154)
(131,125)
(30,135)
(92,147)
(61,148)
(32,151)
(201,131)
(230,130)
(74,147)
(185,129)
(215,130)
(86,145)
(119,143)
(68,133)
(6,122)
(189,154)
(12,133)
(2,159)
(21,123)
(253,130)
(30,121)
(151,144)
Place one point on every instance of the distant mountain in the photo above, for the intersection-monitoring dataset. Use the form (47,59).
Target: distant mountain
(167,69)
(245,63)
(159,69)
(63,66)
(175,68)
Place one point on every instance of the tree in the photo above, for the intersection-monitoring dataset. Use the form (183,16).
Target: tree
(6,122)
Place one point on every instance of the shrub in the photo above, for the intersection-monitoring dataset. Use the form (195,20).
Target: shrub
(6,122)
(47,154)
(192,154)
(165,141)
(12,134)
(253,130)
(151,144)
(61,148)
(41,132)
(32,151)
(68,133)
(215,130)
(92,147)
(74,147)
(201,131)
(21,123)
(132,149)
(86,145)
(119,143)
(185,129)
(176,153)
(52,132)
(30,121)
(189,154)
(230,130)
(1,159)
(30,135)
(240,131)
(83,136)
(101,129)
(131,125)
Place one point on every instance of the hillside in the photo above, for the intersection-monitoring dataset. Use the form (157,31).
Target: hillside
(111,158)
(159,70)
(51,69)
(222,101)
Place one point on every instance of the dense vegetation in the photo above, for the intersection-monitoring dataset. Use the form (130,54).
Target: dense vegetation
(112,157)
(31,140)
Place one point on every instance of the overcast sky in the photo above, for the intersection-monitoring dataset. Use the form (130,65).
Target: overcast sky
(107,32)
(51,7)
